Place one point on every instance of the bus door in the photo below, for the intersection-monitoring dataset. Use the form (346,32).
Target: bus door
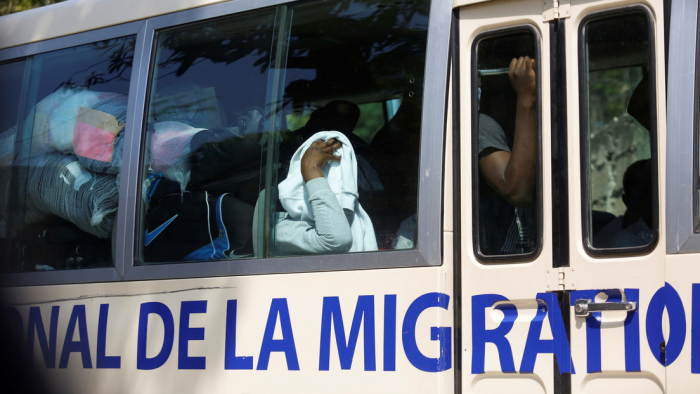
(616,137)
(561,270)
(506,237)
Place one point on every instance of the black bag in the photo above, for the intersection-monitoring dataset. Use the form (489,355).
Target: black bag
(222,162)
(59,244)
(197,226)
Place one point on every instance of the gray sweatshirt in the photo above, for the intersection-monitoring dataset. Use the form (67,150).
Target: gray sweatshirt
(330,233)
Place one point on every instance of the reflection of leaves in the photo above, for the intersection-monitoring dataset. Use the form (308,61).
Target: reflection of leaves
(67,84)
(11,6)
(364,48)
(373,45)
(94,79)
(121,56)
(117,53)
(213,41)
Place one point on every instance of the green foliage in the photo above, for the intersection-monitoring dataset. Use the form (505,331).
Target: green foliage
(371,120)
(297,120)
(12,6)
(616,140)
(610,92)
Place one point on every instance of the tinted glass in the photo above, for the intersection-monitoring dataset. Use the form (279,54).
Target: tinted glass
(204,136)
(11,78)
(507,145)
(62,155)
(618,133)
(235,103)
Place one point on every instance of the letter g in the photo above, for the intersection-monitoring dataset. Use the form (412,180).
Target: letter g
(441,334)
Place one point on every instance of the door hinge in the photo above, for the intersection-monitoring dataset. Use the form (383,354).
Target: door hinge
(555,9)
(560,279)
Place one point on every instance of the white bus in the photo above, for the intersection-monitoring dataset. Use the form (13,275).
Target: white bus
(375,196)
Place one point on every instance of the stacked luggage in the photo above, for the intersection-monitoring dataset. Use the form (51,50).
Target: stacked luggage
(72,179)
(69,184)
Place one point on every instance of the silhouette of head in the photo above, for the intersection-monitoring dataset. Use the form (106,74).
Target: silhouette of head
(639,105)
(637,192)
(337,115)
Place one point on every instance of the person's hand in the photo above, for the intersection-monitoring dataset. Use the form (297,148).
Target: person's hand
(319,153)
(522,76)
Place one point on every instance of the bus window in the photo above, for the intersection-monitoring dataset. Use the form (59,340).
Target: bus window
(62,155)
(233,168)
(204,162)
(506,146)
(618,128)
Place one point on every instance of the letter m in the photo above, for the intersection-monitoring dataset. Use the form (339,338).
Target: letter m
(346,350)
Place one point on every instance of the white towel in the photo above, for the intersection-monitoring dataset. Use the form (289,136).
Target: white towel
(342,179)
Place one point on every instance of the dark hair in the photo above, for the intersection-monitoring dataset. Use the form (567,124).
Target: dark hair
(637,192)
(638,106)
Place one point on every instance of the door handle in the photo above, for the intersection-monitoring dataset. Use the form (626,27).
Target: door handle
(584,307)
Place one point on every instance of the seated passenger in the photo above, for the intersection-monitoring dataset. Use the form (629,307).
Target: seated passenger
(337,115)
(397,147)
(634,227)
(342,116)
(508,169)
(320,197)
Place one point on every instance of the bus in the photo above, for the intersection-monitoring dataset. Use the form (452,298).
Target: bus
(375,196)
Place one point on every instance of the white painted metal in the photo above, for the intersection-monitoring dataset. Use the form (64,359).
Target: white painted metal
(645,272)
(304,292)
(682,272)
(76,16)
(555,9)
(560,279)
(518,281)
(304,295)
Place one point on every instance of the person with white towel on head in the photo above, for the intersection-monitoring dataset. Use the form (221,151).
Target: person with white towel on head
(320,197)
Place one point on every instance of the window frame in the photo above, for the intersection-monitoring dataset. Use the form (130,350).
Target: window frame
(684,128)
(429,243)
(583,132)
(515,258)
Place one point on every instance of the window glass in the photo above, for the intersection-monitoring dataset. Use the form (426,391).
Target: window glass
(61,155)
(236,104)
(618,132)
(506,144)
(204,135)
(11,77)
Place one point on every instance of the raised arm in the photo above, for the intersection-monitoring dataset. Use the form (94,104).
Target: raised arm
(319,153)
(513,174)
(331,231)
